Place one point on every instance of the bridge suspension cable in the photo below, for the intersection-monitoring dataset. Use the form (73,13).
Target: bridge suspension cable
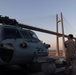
(68,27)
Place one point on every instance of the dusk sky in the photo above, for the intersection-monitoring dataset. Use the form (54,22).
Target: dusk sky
(42,14)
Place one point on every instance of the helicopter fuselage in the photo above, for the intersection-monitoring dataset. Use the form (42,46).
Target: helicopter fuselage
(19,46)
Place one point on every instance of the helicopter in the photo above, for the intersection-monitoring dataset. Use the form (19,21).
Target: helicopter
(21,46)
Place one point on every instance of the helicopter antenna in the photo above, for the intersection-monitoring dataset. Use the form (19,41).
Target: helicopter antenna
(7,21)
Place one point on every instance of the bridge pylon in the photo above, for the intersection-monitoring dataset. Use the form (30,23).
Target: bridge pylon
(57,36)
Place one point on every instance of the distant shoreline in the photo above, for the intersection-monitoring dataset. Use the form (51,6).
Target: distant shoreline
(53,52)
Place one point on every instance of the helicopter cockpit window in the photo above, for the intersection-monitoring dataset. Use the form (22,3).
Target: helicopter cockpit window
(25,34)
(9,33)
(33,35)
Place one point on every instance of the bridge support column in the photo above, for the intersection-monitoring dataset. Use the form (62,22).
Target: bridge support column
(62,35)
(57,37)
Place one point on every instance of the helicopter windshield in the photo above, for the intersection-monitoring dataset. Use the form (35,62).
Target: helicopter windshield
(25,34)
(9,33)
(29,34)
(33,35)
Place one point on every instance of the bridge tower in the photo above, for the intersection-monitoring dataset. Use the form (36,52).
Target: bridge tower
(57,36)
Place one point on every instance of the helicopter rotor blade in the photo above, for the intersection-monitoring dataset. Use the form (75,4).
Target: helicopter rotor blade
(40,29)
